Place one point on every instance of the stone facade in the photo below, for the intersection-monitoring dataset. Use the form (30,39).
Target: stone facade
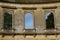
(18,19)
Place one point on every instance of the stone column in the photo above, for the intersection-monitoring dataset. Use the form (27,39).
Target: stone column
(57,15)
(13,19)
(39,20)
(57,19)
(1,18)
(18,20)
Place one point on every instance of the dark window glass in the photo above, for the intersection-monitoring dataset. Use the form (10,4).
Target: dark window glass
(29,21)
(49,20)
(7,20)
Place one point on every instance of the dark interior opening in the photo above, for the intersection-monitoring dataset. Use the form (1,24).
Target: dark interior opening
(50,21)
(7,20)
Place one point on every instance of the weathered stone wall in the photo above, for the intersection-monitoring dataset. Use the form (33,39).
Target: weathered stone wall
(39,21)
(19,20)
(39,18)
(1,18)
(38,37)
(57,19)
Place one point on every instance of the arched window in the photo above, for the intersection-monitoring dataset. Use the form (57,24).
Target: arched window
(29,24)
(49,20)
(7,20)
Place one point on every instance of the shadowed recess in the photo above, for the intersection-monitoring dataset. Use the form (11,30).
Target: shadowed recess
(7,20)
(49,20)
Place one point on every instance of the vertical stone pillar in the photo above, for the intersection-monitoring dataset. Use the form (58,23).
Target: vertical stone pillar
(39,20)
(1,17)
(18,20)
(13,19)
(57,18)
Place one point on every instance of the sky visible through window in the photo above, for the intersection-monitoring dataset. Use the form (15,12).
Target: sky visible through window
(46,16)
(29,21)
